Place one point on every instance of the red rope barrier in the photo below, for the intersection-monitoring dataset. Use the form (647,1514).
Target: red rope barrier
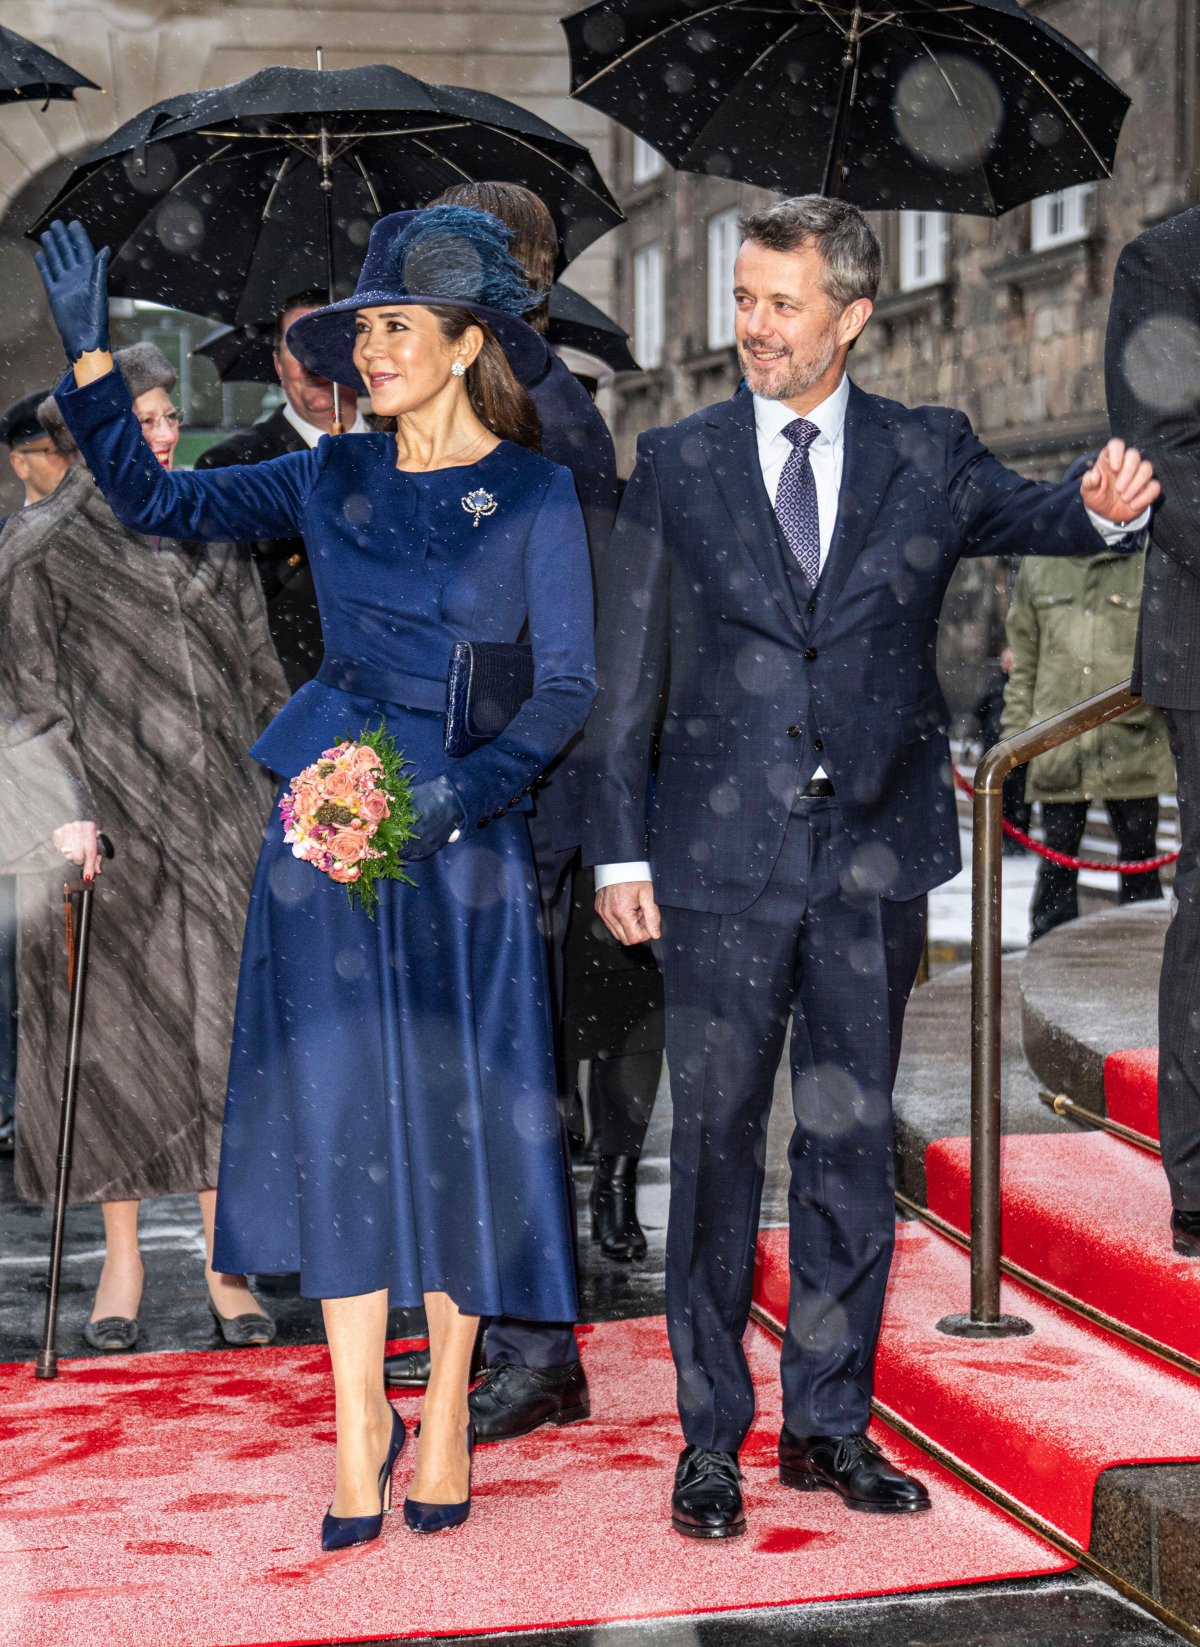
(1061,858)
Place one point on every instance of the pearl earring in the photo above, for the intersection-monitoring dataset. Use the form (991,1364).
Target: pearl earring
(458,369)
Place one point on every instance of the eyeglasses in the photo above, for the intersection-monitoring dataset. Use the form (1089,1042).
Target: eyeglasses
(170,420)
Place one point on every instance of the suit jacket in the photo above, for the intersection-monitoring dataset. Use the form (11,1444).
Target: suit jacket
(575,435)
(1152,375)
(768,678)
(282,562)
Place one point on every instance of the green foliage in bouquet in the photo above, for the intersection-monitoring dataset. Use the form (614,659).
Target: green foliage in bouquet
(394,830)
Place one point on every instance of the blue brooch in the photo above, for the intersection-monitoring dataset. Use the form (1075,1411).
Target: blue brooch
(479,503)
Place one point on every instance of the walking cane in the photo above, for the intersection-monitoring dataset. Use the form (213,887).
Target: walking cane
(77,909)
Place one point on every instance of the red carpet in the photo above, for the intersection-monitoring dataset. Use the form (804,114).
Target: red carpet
(174,1501)
(1039,1416)
(1131,1089)
(1089,1214)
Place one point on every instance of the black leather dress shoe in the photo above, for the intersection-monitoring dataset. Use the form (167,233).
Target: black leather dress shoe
(707,1501)
(510,1401)
(1185,1233)
(409,1369)
(852,1467)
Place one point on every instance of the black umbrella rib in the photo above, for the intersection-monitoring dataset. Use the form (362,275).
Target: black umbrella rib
(357,158)
(980,159)
(1006,51)
(352,137)
(549,160)
(650,40)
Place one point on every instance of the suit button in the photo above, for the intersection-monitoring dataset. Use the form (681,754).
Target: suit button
(817,744)
(499,812)
(811,654)
(794,731)
(482,823)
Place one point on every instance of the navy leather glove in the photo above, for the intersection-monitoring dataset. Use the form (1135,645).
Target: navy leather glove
(439,816)
(75,276)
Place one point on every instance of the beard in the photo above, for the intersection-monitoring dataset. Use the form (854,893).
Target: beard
(791,377)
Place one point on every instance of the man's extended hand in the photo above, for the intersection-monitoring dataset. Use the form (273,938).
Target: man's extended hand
(1120,484)
(629,911)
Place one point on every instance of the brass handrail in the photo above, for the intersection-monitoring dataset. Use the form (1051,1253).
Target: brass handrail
(985,1319)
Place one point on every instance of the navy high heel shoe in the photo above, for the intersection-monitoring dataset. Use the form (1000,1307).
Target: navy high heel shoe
(439,1518)
(341,1532)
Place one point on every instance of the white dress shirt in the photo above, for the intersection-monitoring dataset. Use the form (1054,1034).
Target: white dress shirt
(826,454)
(310,434)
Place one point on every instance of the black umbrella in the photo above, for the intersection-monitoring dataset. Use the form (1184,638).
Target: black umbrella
(242,354)
(30,75)
(226,202)
(954,105)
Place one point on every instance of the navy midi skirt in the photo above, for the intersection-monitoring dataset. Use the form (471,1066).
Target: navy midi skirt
(391,1119)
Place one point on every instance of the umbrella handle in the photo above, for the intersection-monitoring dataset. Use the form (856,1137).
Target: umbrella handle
(78,945)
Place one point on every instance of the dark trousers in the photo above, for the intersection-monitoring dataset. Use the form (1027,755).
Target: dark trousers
(544,1343)
(621,1093)
(1179,986)
(8,995)
(1135,824)
(841,963)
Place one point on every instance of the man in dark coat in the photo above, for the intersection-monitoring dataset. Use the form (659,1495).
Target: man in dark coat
(779,562)
(1152,370)
(305,416)
(39,466)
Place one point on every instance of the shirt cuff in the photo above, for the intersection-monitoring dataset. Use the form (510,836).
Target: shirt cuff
(612,874)
(1111,532)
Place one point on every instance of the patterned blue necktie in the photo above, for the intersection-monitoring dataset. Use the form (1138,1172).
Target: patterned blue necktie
(796,500)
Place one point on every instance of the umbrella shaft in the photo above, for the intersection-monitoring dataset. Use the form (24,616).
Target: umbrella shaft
(847,85)
(47,1362)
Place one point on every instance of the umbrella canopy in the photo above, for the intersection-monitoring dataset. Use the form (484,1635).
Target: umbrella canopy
(226,202)
(30,75)
(242,354)
(953,105)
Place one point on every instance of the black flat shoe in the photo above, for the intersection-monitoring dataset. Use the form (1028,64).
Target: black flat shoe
(707,1501)
(614,1209)
(244,1331)
(112,1333)
(510,1401)
(409,1369)
(1185,1233)
(852,1467)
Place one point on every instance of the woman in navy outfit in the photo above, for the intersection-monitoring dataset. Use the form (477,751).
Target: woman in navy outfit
(391,1130)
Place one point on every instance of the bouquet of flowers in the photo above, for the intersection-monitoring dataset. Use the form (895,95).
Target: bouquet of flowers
(350,813)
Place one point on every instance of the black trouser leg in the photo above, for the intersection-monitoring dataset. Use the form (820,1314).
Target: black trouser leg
(1135,824)
(1179,986)
(621,1094)
(1055,897)
(544,1343)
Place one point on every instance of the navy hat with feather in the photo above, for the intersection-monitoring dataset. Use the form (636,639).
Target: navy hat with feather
(448,255)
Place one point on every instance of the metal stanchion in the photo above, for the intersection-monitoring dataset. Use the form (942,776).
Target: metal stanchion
(985,1319)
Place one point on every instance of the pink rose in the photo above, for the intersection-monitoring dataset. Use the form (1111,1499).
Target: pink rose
(308,797)
(339,786)
(348,846)
(364,759)
(374,806)
(343,873)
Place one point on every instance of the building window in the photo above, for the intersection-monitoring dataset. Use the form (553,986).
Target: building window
(1062,217)
(647,162)
(723,243)
(648,305)
(924,239)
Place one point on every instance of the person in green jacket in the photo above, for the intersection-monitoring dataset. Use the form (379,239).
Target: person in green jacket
(1072,627)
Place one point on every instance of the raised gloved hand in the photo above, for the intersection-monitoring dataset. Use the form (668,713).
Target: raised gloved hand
(75,276)
(439,818)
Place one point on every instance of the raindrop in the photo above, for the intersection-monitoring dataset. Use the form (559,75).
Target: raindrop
(179,225)
(604,33)
(948,113)
(1161,360)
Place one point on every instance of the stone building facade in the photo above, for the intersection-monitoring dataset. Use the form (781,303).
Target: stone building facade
(1004,318)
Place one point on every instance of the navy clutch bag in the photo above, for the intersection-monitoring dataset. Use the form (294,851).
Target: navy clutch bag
(487,684)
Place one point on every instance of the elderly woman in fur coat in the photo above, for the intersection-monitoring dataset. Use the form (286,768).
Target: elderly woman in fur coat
(134,675)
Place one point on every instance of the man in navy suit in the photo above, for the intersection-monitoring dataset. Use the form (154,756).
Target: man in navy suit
(780,561)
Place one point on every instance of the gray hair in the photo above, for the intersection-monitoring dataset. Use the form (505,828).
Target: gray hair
(848,245)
